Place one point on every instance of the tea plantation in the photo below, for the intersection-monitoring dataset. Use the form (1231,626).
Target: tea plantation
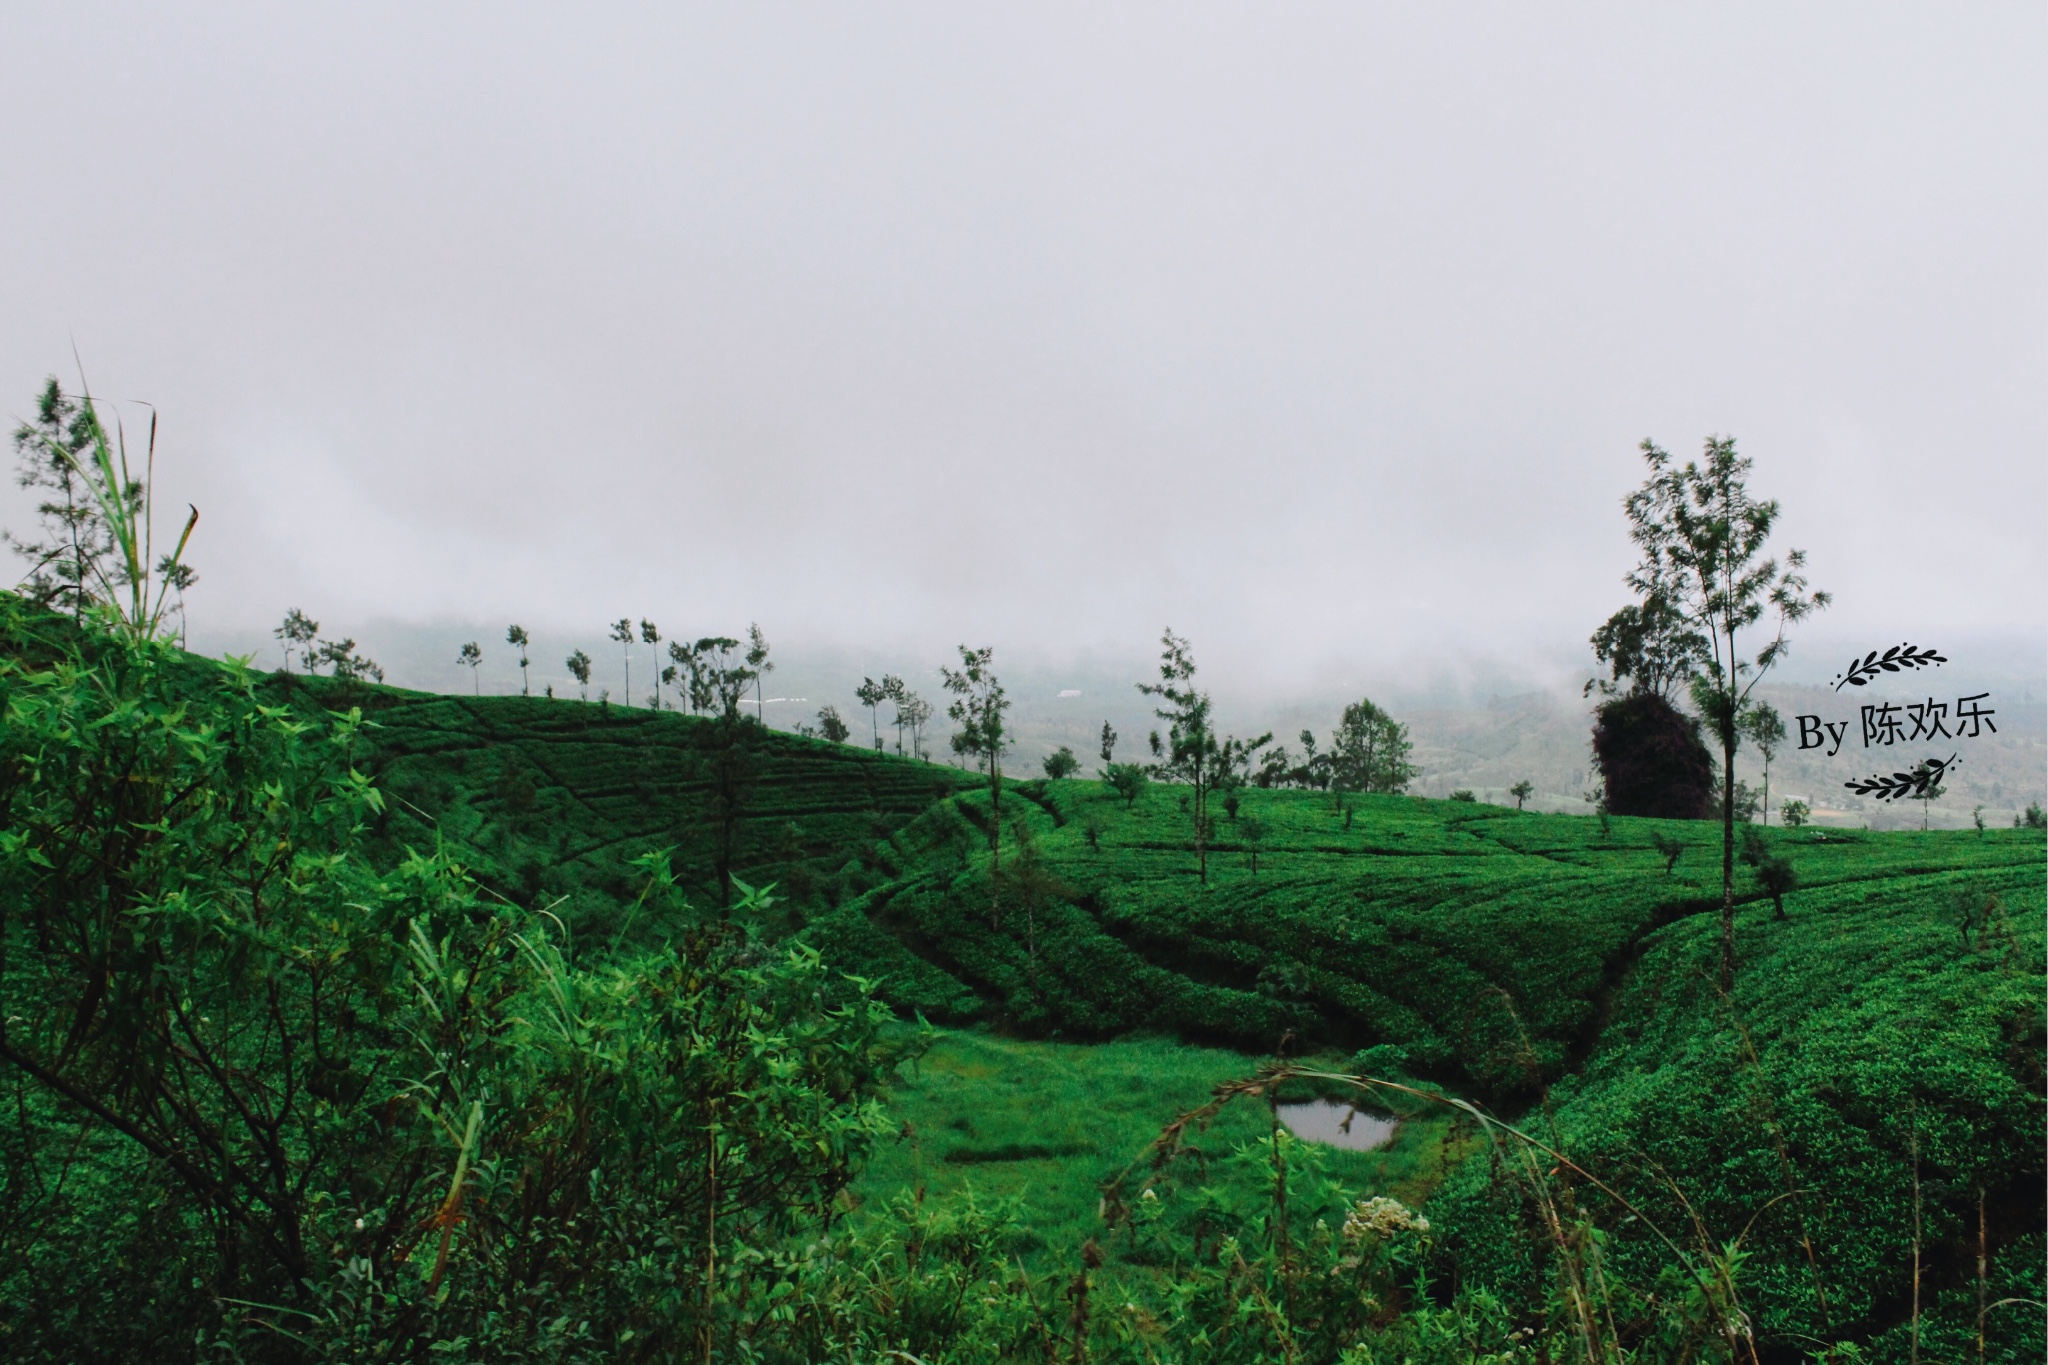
(1867,1099)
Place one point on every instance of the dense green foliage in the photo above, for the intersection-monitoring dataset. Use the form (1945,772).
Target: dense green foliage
(343,1022)
(551,801)
(270,1099)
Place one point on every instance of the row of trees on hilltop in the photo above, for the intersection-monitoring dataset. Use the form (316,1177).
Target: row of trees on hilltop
(912,713)
(711,675)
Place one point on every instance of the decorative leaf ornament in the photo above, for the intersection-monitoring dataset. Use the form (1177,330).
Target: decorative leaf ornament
(1925,776)
(1898,657)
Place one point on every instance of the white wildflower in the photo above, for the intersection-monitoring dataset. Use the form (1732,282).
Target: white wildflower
(1381,1217)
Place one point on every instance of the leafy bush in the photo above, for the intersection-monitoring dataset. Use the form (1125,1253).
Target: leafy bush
(1652,760)
(303,1108)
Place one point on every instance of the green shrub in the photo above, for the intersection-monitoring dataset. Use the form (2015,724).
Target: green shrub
(300,1107)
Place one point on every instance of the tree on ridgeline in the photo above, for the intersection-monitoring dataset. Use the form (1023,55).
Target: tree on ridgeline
(1764,728)
(346,663)
(915,713)
(682,673)
(1061,762)
(757,660)
(1191,751)
(978,708)
(1928,794)
(1522,791)
(177,577)
(1127,780)
(1234,758)
(515,636)
(872,694)
(729,747)
(622,631)
(1315,769)
(471,657)
(650,635)
(1702,538)
(720,675)
(830,725)
(1369,751)
(578,665)
(76,543)
(892,691)
(100,534)
(296,634)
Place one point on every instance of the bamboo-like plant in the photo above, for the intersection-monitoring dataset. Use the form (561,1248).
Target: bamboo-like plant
(138,589)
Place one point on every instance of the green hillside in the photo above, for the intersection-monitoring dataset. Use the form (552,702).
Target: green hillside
(1473,943)
(1511,957)
(550,801)
(1877,1067)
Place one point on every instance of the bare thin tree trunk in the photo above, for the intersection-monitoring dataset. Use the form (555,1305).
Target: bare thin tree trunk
(1728,854)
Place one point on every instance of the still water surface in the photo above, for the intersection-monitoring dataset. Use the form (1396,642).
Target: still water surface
(1337,1124)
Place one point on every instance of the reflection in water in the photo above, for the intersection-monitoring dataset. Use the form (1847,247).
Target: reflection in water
(1337,1124)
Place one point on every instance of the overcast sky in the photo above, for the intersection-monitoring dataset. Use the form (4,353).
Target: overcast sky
(1324,333)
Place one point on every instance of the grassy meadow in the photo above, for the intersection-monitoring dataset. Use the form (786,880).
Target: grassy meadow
(1042,1125)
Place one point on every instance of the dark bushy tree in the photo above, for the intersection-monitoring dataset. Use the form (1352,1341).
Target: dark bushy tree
(831,725)
(1652,759)
(1369,752)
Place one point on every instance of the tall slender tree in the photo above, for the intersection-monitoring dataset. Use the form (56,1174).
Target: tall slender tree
(472,658)
(296,634)
(1702,539)
(682,667)
(1764,728)
(622,631)
(757,660)
(650,635)
(516,637)
(872,694)
(978,706)
(914,712)
(892,688)
(1192,752)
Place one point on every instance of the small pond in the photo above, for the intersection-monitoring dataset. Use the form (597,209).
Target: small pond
(1336,1124)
